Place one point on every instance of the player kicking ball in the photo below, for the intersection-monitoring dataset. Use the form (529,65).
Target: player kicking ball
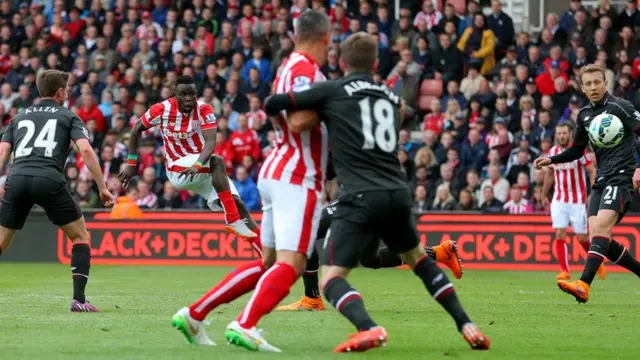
(188,129)
(375,202)
(40,138)
(610,125)
(378,258)
(569,199)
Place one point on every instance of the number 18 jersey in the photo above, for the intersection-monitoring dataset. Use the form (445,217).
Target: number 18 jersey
(362,119)
(41,137)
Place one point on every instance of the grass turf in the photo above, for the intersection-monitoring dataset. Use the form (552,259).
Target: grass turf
(524,313)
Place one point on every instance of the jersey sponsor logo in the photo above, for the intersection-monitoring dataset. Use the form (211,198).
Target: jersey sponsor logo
(176,134)
(301,83)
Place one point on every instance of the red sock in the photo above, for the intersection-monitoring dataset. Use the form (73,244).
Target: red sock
(229,206)
(272,288)
(585,245)
(255,242)
(561,253)
(237,283)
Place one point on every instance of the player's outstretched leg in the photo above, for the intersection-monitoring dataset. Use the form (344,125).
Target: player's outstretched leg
(311,301)
(80,264)
(618,254)
(442,291)
(220,182)
(190,320)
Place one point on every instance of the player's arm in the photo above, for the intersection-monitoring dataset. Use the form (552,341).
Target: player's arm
(208,126)
(631,118)
(6,146)
(310,99)
(576,150)
(548,181)
(591,171)
(150,119)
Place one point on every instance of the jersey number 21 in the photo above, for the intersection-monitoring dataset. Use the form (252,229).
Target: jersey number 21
(378,124)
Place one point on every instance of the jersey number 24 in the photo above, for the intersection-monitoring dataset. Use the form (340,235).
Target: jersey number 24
(46,139)
(384,133)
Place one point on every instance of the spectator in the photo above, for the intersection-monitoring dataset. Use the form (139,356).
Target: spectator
(524,185)
(474,151)
(86,197)
(447,61)
(108,162)
(425,158)
(239,102)
(193,201)
(467,21)
(567,20)
(146,199)
(247,189)
(537,205)
(90,111)
(453,93)
(404,142)
(522,165)
(470,85)
(244,141)
(517,204)
(404,84)
(498,184)
(473,184)
(489,204)
(420,204)
(501,25)
(558,34)
(435,119)
(8,96)
(466,202)
(258,62)
(125,206)
(428,14)
(546,81)
(444,201)
(478,44)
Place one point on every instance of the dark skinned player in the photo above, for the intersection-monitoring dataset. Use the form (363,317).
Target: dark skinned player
(188,129)
(617,176)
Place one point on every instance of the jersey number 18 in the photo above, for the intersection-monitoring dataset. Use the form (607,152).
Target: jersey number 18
(384,134)
(46,138)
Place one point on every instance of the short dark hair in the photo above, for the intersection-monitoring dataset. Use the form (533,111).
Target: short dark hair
(185,80)
(359,52)
(50,81)
(566,124)
(312,26)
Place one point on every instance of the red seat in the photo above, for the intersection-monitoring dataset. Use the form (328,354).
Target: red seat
(429,89)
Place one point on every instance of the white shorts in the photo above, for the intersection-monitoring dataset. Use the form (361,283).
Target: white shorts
(200,183)
(563,213)
(290,216)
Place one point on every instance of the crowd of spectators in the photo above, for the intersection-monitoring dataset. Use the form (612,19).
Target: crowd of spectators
(503,91)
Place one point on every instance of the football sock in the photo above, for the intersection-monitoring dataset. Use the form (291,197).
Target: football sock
(597,251)
(349,303)
(272,288)
(255,242)
(310,276)
(80,265)
(561,253)
(237,283)
(620,255)
(441,289)
(585,245)
(229,206)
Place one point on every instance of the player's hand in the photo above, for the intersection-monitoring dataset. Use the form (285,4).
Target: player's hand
(107,197)
(189,172)
(541,162)
(636,179)
(126,175)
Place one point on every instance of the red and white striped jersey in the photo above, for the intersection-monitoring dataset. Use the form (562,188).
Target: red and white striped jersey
(299,158)
(522,207)
(181,133)
(570,178)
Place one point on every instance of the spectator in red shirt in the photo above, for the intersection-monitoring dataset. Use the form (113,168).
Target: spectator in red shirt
(435,120)
(90,111)
(223,149)
(546,80)
(203,36)
(244,141)
(75,24)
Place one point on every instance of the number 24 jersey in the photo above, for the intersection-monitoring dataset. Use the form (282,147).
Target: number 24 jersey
(362,119)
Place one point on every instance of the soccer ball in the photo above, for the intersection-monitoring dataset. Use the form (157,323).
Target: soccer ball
(606,131)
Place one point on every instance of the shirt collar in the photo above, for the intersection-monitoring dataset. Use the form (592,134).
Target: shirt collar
(308,57)
(602,102)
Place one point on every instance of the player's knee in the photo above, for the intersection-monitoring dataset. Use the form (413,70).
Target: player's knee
(80,237)
(602,225)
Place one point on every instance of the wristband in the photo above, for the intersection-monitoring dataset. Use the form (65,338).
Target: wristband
(132,160)
(198,165)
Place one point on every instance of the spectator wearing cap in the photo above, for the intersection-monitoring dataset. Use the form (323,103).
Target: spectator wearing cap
(502,26)
(459,128)
(555,54)
(448,61)
(546,81)
(509,61)
(474,151)
(478,44)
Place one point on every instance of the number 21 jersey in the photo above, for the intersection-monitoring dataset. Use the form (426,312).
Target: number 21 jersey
(41,137)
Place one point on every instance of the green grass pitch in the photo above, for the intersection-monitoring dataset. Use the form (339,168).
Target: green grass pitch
(524,313)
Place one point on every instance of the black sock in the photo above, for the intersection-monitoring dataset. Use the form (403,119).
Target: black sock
(441,289)
(310,276)
(595,256)
(388,259)
(80,265)
(430,252)
(619,255)
(349,303)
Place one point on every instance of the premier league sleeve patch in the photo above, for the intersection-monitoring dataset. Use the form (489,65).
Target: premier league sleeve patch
(301,83)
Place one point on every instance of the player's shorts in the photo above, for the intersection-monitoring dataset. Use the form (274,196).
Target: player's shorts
(22,192)
(200,183)
(361,219)
(612,193)
(290,216)
(563,214)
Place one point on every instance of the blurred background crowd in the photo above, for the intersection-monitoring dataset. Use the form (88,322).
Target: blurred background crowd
(484,99)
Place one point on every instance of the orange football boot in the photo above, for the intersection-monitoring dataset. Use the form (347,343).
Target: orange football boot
(475,338)
(304,304)
(364,340)
(602,272)
(579,289)
(563,275)
(447,253)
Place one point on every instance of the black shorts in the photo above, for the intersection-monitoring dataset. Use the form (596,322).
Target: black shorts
(22,192)
(613,194)
(361,219)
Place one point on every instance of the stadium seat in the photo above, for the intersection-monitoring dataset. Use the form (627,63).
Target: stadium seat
(429,89)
